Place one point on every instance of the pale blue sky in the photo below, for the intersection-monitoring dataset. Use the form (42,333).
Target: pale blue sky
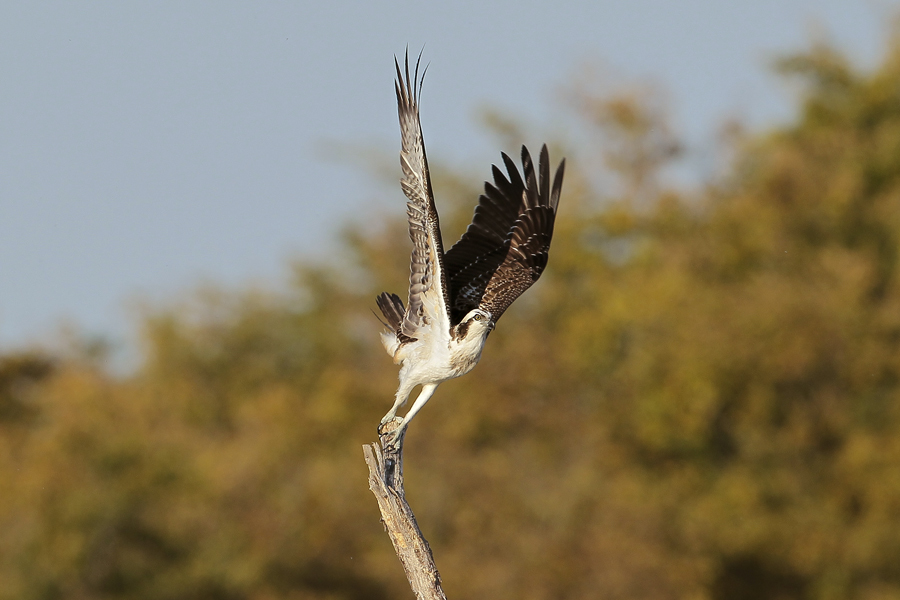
(147,146)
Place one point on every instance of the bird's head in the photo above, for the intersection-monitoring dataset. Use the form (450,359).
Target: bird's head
(476,324)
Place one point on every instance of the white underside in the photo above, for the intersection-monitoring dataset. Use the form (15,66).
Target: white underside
(429,361)
(432,358)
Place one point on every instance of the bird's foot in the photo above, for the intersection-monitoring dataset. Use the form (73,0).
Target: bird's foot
(385,420)
(391,439)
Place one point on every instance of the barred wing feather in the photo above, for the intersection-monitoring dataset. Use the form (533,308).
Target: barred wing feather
(428,292)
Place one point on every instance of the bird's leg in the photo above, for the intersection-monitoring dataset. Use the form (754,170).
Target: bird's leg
(424,396)
(400,399)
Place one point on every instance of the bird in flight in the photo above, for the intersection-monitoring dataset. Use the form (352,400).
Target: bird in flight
(456,297)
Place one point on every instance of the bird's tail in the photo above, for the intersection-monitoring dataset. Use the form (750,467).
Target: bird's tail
(392,308)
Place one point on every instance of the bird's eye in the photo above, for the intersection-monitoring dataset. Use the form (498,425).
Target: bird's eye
(478,317)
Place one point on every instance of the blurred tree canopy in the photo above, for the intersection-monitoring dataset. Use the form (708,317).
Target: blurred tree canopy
(699,400)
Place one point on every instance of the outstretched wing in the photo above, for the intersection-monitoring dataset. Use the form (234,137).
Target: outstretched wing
(428,293)
(505,249)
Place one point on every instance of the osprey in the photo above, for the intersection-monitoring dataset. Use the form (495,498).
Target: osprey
(456,297)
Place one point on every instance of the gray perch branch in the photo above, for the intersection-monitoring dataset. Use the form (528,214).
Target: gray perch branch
(386,482)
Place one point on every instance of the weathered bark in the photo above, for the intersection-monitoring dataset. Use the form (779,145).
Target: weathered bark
(386,482)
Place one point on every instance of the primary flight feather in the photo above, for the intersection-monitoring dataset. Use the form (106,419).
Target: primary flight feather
(456,297)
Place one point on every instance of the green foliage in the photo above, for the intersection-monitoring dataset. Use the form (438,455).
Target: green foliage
(700,399)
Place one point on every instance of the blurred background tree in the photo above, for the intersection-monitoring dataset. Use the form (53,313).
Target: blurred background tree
(700,399)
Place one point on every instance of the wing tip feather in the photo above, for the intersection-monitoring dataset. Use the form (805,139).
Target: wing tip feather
(556,189)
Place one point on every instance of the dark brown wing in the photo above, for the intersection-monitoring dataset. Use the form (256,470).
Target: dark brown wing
(471,262)
(504,250)
(428,293)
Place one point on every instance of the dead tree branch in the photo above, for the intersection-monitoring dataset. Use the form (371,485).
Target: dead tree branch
(386,482)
